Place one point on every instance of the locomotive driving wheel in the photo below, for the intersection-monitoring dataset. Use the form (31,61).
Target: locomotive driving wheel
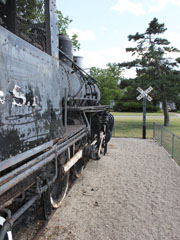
(59,189)
(8,235)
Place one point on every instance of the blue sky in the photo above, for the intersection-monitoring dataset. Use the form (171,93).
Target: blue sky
(103,26)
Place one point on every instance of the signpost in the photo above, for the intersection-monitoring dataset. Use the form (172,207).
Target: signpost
(144,95)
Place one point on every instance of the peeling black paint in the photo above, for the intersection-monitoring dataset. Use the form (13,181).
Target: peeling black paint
(34,86)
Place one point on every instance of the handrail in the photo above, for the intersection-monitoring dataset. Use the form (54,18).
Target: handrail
(78,68)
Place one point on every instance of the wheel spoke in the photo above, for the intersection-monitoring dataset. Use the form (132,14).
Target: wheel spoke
(59,190)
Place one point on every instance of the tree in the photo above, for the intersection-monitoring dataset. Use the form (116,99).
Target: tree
(128,101)
(63,24)
(108,82)
(153,66)
(33,11)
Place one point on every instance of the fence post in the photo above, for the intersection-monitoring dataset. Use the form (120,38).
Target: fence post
(173,145)
(154,125)
(161,134)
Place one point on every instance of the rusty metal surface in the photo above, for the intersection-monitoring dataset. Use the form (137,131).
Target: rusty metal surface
(73,160)
(51,28)
(21,157)
(73,129)
(41,161)
(70,132)
(89,108)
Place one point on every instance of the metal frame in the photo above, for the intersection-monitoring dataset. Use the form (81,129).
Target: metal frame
(51,28)
(56,150)
(39,162)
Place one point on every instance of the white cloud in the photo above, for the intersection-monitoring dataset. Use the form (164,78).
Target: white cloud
(83,35)
(128,6)
(102,57)
(174,38)
(138,8)
(157,5)
(175,2)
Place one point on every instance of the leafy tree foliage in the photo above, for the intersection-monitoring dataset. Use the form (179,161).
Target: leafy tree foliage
(153,66)
(128,102)
(31,10)
(108,81)
(63,24)
(34,11)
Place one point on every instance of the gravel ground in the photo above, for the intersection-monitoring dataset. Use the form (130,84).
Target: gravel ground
(132,193)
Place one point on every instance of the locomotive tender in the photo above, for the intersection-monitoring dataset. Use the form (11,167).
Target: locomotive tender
(51,120)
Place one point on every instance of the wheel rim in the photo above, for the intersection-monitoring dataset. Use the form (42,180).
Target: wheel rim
(8,235)
(59,190)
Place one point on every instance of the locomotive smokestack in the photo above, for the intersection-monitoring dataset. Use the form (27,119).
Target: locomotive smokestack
(65,45)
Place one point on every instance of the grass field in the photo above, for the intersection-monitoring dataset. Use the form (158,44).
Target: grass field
(129,126)
(140,114)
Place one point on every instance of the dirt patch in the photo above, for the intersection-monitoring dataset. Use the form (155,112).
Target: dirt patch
(131,193)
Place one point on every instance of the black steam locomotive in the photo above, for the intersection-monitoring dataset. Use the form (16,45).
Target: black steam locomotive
(51,120)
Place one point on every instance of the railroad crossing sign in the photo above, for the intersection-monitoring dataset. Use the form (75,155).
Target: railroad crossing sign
(144,95)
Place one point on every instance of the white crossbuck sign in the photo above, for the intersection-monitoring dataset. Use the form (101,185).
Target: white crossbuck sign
(144,93)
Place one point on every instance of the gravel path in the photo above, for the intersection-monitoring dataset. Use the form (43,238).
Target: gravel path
(131,194)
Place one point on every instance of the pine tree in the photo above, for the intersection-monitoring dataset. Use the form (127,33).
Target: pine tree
(153,66)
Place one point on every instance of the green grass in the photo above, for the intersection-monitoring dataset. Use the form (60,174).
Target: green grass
(175,126)
(140,114)
(132,127)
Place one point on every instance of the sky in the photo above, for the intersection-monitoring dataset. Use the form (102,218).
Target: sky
(103,26)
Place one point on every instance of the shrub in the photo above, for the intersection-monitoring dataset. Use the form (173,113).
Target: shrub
(134,107)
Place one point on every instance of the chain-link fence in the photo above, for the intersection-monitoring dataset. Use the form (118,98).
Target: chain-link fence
(168,140)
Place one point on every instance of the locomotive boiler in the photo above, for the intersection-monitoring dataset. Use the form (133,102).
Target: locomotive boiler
(51,119)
